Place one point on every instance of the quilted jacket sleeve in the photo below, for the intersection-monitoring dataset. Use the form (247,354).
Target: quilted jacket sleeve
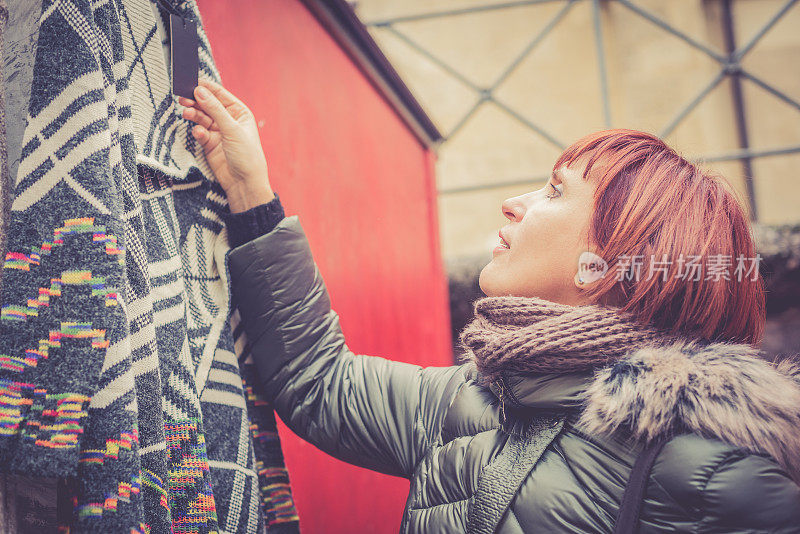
(365,410)
(749,493)
(705,485)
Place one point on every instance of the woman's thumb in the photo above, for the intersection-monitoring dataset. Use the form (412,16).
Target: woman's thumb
(214,108)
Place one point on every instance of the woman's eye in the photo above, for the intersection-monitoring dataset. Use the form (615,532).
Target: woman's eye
(555,193)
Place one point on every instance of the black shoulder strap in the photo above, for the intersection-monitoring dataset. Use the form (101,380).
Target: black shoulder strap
(499,482)
(628,518)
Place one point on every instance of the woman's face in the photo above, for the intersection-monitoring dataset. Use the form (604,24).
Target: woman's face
(546,234)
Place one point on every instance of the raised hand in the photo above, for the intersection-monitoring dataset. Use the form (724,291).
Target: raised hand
(227,131)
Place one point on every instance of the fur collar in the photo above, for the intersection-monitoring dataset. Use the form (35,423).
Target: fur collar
(721,390)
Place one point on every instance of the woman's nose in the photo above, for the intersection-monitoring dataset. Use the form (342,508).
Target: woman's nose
(513,209)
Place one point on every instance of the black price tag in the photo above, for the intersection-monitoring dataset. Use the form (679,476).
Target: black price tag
(183,59)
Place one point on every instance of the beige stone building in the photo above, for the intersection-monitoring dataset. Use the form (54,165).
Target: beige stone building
(510,83)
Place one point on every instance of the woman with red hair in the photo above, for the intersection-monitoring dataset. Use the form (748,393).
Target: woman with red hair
(612,379)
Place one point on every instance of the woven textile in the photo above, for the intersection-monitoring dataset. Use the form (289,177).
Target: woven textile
(533,335)
(119,366)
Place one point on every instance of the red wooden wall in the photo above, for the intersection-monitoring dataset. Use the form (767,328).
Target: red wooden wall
(363,186)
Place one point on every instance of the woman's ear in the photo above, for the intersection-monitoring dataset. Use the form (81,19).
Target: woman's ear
(580,283)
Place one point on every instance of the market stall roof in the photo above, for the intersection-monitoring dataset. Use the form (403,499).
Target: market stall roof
(341,21)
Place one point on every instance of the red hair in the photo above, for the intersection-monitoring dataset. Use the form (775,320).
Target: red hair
(653,203)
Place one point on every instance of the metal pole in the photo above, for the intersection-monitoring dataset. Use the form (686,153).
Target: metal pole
(767,27)
(738,103)
(536,40)
(769,88)
(666,27)
(705,91)
(454,12)
(601,62)
(752,154)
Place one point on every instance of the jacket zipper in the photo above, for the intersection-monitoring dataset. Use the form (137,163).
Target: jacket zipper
(500,385)
(505,391)
(514,400)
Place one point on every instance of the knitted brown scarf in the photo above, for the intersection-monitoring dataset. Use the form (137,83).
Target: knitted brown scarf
(523,335)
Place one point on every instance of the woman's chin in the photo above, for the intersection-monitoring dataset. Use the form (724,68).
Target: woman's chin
(488,280)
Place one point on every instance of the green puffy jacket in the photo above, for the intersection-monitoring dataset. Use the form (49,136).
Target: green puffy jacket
(559,454)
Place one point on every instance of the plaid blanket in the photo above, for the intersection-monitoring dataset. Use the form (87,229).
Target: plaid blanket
(119,351)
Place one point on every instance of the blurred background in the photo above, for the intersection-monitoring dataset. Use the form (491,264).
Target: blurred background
(511,83)
(395,129)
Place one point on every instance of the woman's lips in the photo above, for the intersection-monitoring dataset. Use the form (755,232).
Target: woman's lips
(503,241)
(503,246)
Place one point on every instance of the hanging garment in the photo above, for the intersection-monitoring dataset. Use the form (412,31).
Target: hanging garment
(119,355)
(5,195)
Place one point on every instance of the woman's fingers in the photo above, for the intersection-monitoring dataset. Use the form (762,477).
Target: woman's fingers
(226,97)
(211,105)
(198,117)
(235,107)
(207,139)
(201,134)
(186,102)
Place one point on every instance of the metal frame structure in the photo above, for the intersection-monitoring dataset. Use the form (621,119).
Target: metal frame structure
(730,66)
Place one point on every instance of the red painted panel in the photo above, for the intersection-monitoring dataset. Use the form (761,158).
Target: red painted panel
(363,186)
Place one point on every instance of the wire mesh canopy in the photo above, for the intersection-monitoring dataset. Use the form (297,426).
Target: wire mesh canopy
(728,66)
